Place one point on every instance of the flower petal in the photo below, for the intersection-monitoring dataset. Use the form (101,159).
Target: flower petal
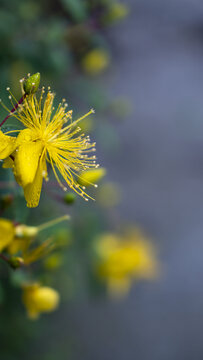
(7,145)
(26,161)
(7,231)
(8,163)
(32,191)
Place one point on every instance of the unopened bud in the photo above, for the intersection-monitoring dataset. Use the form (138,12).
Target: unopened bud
(31,84)
(69,198)
(25,231)
(16,262)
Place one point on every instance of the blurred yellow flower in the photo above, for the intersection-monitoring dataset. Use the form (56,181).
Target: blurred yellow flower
(91,177)
(46,140)
(117,11)
(7,233)
(95,61)
(15,238)
(18,238)
(123,259)
(38,299)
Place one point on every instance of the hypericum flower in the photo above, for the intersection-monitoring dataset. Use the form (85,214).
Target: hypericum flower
(38,299)
(50,136)
(122,260)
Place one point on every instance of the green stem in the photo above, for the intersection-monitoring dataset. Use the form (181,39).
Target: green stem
(4,258)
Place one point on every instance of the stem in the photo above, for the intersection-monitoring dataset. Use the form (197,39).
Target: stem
(53,222)
(14,109)
(3,257)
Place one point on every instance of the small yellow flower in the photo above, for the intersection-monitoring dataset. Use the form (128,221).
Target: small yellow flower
(47,139)
(96,61)
(121,260)
(38,299)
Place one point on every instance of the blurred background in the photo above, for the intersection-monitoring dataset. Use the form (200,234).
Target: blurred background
(139,64)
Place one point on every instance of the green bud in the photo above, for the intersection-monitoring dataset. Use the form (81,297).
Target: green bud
(16,262)
(31,84)
(69,198)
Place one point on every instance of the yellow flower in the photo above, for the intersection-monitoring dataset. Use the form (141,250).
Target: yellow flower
(123,259)
(46,139)
(38,299)
(96,61)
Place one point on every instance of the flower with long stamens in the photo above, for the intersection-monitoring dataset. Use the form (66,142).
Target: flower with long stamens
(50,136)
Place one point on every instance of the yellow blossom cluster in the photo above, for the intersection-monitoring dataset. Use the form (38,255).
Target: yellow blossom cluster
(16,248)
(121,260)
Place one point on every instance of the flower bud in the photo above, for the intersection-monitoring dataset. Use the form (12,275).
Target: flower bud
(16,262)
(31,84)
(25,231)
(69,198)
(39,299)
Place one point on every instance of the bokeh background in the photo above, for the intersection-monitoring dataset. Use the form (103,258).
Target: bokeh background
(149,131)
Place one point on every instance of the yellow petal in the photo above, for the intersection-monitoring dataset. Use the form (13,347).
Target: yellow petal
(26,161)
(8,163)
(25,135)
(90,177)
(7,233)
(7,145)
(18,245)
(32,191)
